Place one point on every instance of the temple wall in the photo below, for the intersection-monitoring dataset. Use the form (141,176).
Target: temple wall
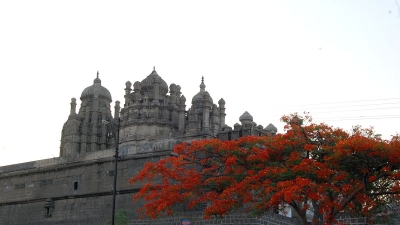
(78,190)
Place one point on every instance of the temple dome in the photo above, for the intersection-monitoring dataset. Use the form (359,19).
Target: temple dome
(271,128)
(202,95)
(96,89)
(246,117)
(147,85)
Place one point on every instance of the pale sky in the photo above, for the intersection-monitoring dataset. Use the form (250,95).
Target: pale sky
(269,58)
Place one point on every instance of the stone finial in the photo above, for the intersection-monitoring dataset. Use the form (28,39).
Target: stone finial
(172,88)
(117,108)
(154,72)
(202,85)
(97,80)
(182,99)
(137,86)
(73,106)
(221,102)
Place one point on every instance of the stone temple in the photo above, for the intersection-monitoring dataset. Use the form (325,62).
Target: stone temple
(152,114)
(76,188)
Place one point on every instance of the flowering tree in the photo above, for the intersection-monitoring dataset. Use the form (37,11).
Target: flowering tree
(310,167)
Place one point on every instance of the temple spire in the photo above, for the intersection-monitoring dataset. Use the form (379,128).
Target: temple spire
(202,85)
(97,80)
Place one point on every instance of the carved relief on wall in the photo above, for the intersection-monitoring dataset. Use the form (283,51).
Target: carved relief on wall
(71,127)
(67,150)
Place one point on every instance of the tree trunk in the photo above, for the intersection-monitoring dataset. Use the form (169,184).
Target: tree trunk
(300,213)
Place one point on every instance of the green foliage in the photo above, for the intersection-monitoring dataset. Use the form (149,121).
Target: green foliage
(121,218)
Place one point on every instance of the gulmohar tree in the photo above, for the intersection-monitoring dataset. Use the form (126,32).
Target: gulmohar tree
(310,167)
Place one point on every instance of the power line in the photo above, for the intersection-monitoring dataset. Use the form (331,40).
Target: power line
(352,110)
(359,118)
(345,106)
(339,111)
(347,102)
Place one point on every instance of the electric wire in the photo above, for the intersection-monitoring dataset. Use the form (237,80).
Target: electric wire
(332,103)
(356,106)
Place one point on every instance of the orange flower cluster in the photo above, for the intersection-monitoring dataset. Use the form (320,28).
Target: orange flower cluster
(312,167)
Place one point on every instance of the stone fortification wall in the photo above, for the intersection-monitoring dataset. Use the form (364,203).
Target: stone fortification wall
(239,219)
(79,190)
(81,210)
(145,148)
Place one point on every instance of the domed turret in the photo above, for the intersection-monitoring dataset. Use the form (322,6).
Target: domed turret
(271,128)
(96,89)
(236,126)
(83,132)
(202,95)
(182,98)
(137,86)
(147,85)
(246,117)
(172,87)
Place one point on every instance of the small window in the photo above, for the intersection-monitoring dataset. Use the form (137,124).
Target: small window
(76,185)
(48,207)
(47,212)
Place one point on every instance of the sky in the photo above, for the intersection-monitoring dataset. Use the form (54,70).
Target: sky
(337,59)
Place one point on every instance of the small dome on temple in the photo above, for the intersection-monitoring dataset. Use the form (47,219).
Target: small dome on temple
(172,87)
(271,128)
(96,89)
(199,97)
(182,98)
(226,127)
(236,126)
(148,83)
(246,117)
(221,101)
(128,83)
(136,85)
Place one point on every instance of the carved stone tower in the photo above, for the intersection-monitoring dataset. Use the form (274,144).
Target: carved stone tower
(85,132)
(204,117)
(149,113)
